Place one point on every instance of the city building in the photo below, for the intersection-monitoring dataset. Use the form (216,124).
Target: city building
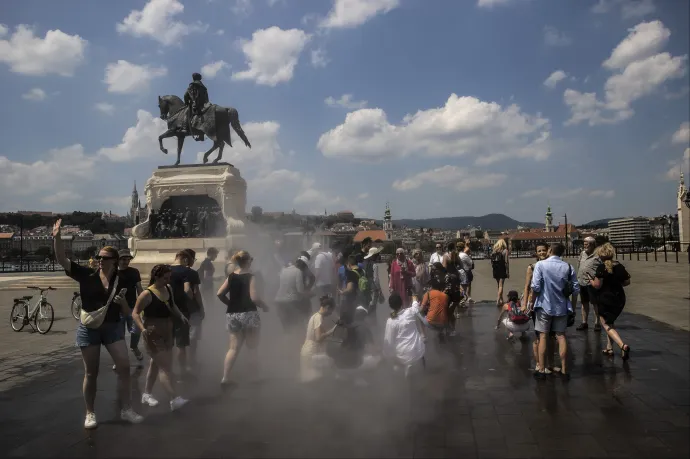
(548,227)
(137,213)
(628,231)
(388,223)
(683,215)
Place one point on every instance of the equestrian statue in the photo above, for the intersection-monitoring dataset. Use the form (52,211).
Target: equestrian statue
(197,117)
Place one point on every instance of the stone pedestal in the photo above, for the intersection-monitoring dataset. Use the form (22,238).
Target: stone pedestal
(221,182)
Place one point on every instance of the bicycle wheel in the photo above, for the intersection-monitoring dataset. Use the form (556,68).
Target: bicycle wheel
(43,320)
(76,307)
(17,317)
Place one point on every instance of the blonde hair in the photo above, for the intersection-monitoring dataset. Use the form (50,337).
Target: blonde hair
(606,252)
(111,250)
(241,259)
(500,246)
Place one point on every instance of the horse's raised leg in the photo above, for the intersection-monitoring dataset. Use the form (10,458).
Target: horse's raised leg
(221,145)
(180,143)
(167,134)
(210,150)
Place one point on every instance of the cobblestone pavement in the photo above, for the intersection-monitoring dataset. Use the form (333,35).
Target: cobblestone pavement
(476,399)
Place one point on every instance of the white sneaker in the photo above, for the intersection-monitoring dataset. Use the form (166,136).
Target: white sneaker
(130,416)
(90,421)
(147,399)
(177,403)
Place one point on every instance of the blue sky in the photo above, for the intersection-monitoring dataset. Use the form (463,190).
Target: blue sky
(442,108)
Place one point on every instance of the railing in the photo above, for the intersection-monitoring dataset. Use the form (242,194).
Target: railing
(671,252)
(16,266)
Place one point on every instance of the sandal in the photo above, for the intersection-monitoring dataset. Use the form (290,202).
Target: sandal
(625,352)
(607,352)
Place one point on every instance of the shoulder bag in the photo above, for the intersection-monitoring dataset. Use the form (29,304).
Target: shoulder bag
(94,319)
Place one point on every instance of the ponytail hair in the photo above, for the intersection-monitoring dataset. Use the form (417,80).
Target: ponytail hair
(241,259)
(158,271)
(327,302)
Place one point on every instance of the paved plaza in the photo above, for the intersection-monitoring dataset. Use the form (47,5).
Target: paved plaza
(477,399)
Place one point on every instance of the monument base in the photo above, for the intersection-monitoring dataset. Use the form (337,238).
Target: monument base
(150,252)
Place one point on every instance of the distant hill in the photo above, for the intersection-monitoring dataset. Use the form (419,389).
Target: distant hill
(486,222)
(601,222)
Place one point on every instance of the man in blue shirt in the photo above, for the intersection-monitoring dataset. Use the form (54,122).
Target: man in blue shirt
(554,281)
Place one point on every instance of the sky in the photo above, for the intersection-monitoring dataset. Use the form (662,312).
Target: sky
(440,108)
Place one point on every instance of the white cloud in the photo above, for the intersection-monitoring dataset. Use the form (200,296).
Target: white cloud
(345,101)
(353,13)
(643,41)
(3,30)
(567,193)
(554,78)
(675,167)
(276,181)
(210,70)
(639,72)
(450,177)
(140,141)
(61,171)
(488,4)
(242,7)
(272,55)
(682,135)
(628,8)
(363,196)
(35,94)
(464,125)
(319,58)
(607,194)
(156,21)
(58,53)
(104,107)
(265,149)
(118,202)
(641,78)
(60,197)
(220,32)
(126,78)
(554,37)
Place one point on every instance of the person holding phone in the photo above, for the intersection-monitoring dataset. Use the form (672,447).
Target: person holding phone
(102,303)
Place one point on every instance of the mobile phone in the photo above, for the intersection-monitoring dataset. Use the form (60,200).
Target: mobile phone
(123,291)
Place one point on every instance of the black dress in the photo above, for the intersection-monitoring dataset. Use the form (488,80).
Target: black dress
(611,296)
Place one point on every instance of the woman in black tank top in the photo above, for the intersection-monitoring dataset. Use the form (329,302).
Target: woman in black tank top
(240,294)
(158,307)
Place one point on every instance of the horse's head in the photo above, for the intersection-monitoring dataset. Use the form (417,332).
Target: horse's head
(164,107)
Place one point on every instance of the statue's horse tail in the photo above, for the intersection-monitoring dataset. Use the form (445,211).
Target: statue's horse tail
(234,120)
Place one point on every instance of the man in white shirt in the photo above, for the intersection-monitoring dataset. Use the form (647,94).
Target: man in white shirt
(437,257)
(404,338)
(467,266)
(324,270)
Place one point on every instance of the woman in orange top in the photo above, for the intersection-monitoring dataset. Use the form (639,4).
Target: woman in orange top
(435,306)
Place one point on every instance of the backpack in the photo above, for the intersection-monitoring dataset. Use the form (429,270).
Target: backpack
(516,315)
(497,258)
(363,284)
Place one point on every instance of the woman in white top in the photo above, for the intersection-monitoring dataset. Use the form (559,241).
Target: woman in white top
(313,356)
(404,339)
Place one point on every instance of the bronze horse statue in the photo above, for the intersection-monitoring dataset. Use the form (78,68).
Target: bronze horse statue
(214,122)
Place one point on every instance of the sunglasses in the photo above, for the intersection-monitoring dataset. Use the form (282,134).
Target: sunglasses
(99,258)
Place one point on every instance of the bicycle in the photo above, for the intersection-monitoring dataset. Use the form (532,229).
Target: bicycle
(22,314)
(76,305)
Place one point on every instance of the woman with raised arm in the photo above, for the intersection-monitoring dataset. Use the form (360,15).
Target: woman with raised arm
(157,330)
(240,294)
(102,303)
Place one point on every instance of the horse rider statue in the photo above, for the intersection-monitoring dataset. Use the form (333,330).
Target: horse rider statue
(196,97)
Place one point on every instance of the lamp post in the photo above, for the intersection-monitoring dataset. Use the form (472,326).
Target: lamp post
(663,219)
(565,216)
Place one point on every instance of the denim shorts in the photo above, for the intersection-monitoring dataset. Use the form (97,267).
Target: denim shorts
(107,333)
